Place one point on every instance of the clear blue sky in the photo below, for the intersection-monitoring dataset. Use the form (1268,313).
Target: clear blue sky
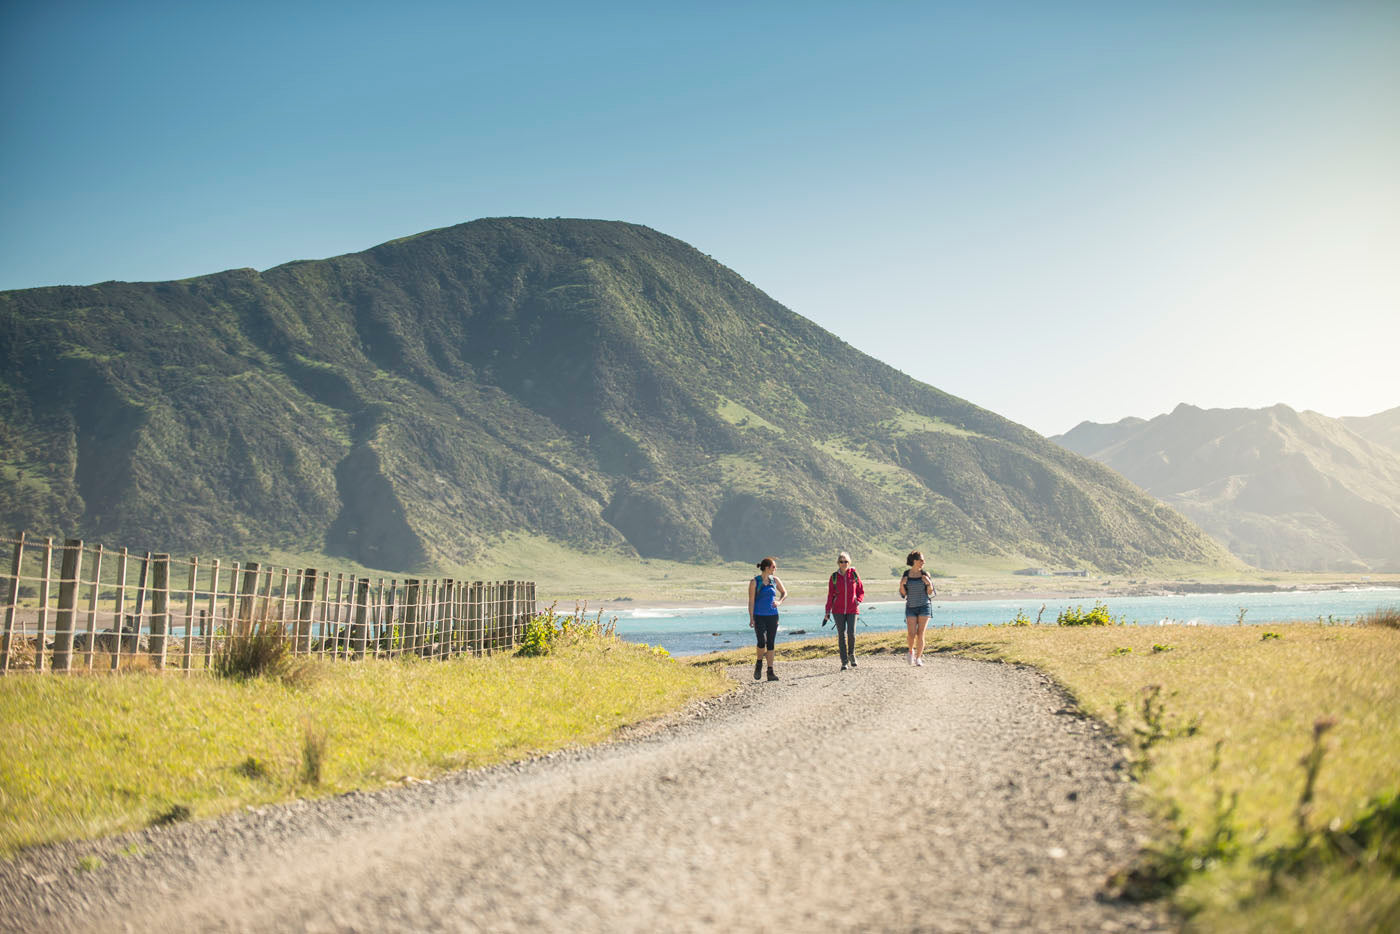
(1058,211)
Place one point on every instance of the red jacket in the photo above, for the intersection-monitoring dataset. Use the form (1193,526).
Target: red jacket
(844,592)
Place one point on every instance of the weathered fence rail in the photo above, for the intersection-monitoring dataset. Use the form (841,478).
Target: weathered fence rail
(111,609)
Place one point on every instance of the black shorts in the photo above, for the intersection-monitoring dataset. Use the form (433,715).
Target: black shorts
(765,629)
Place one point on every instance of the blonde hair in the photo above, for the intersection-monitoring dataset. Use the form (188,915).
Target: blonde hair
(844,554)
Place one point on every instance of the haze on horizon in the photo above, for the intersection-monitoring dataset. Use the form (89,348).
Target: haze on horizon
(1079,212)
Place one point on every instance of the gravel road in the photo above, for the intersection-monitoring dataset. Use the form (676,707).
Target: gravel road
(961,796)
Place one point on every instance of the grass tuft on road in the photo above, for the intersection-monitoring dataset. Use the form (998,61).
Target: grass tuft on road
(88,756)
(1215,713)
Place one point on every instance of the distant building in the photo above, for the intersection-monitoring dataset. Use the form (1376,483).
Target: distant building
(1071,573)
(1032,572)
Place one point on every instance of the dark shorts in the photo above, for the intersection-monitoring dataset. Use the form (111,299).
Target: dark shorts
(912,611)
(765,630)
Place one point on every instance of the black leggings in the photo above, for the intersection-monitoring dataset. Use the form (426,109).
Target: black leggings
(845,634)
(765,629)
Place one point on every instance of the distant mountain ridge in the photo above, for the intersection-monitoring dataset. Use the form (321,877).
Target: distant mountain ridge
(1383,428)
(595,383)
(1282,489)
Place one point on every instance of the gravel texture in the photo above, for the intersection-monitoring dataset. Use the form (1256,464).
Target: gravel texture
(960,796)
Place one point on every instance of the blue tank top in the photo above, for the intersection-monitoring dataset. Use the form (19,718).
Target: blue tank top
(765,597)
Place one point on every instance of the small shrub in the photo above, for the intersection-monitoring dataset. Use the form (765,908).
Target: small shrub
(89,864)
(1312,765)
(1388,617)
(1164,866)
(551,629)
(300,673)
(1155,729)
(1270,635)
(252,767)
(1122,650)
(313,751)
(172,815)
(540,633)
(1162,647)
(264,650)
(1020,619)
(1098,616)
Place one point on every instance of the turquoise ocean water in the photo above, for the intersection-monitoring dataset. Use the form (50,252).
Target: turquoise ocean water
(690,631)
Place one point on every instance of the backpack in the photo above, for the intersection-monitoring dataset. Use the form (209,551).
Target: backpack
(834,573)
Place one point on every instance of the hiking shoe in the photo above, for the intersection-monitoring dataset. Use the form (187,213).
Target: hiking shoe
(911,659)
(844,666)
(853,662)
(919,661)
(771,676)
(758,671)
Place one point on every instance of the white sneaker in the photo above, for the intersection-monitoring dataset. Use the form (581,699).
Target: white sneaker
(919,661)
(911,659)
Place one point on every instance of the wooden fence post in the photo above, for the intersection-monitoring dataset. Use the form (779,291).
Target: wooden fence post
(361,632)
(143,581)
(497,614)
(376,625)
(325,612)
(209,619)
(43,624)
(487,616)
(264,617)
(11,605)
(513,611)
(445,601)
(435,614)
(247,595)
(160,604)
(186,662)
(119,638)
(92,607)
(496,640)
(68,574)
(502,613)
(410,614)
(282,605)
(391,630)
(305,606)
(335,625)
(459,615)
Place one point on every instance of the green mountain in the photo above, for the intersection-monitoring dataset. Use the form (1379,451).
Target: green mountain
(1284,490)
(598,384)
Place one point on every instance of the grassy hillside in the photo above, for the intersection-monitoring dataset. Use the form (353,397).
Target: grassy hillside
(595,384)
(1282,489)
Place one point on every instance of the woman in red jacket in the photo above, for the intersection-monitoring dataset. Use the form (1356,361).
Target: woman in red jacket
(844,591)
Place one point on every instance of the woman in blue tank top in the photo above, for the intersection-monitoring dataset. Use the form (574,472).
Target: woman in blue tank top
(766,594)
(916,587)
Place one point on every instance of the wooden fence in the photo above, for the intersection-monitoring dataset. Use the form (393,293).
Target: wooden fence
(108,609)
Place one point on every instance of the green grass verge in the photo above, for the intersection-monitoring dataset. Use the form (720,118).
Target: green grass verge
(88,756)
(1258,698)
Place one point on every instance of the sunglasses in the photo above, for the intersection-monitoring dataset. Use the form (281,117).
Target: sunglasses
(843,562)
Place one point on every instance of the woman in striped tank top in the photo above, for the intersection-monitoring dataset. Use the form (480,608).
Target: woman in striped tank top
(916,587)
